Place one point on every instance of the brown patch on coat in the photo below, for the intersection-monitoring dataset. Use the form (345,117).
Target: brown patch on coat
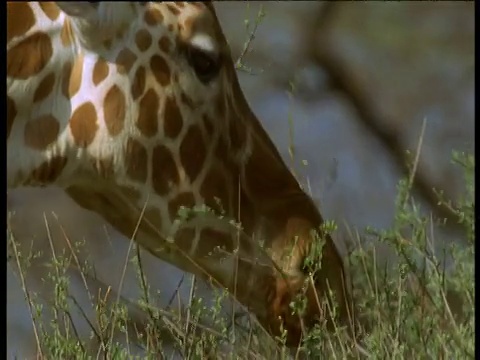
(41,132)
(29,56)
(83,124)
(114,110)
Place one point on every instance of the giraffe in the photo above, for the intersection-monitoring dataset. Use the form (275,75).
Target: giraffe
(135,110)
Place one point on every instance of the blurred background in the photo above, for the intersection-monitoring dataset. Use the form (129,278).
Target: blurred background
(343,89)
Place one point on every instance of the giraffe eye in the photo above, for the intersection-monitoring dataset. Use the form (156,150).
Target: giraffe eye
(206,64)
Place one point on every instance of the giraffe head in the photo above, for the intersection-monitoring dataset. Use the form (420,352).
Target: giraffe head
(136,110)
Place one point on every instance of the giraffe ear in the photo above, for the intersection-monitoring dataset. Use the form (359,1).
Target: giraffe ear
(83,9)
